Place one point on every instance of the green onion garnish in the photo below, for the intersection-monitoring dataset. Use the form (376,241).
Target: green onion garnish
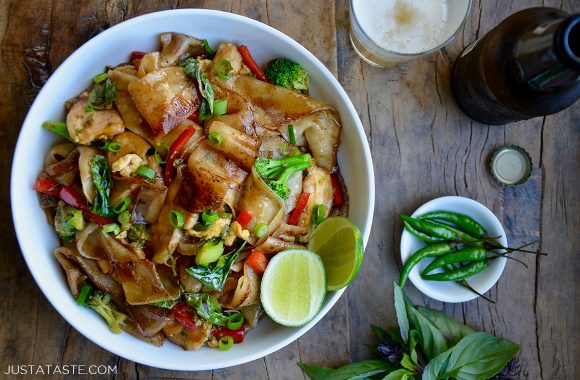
(260,231)
(208,49)
(215,138)
(209,216)
(111,146)
(225,342)
(291,134)
(124,217)
(220,107)
(161,153)
(176,219)
(146,172)
(224,69)
(113,227)
(235,321)
(84,294)
(57,127)
(100,77)
(122,205)
(318,214)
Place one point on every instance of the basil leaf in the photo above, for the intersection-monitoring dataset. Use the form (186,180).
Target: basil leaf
(380,332)
(400,374)
(431,340)
(215,276)
(361,370)
(413,340)
(437,366)
(208,308)
(101,96)
(452,330)
(193,70)
(407,363)
(479,356)
(103,182)
(400,308)
(316,373)
(168,304)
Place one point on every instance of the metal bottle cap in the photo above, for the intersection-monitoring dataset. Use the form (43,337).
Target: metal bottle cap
(511,165)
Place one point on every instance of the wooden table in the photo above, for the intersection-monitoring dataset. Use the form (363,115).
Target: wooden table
(422,146)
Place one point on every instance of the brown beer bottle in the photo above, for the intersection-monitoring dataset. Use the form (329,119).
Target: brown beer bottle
(528,66)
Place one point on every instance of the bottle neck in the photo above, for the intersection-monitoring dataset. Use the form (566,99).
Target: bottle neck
(546,58)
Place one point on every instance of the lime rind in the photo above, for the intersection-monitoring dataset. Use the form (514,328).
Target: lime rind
(284,280)
(339,243)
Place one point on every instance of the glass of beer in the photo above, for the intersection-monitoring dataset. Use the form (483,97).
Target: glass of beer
(385,33)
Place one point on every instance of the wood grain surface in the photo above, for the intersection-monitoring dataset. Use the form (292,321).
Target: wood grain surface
(422,147)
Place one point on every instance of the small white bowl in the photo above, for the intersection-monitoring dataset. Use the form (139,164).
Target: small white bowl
(38,240)
(449,291)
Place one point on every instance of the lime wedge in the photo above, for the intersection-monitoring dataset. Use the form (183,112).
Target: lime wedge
(293,287)
(340,245)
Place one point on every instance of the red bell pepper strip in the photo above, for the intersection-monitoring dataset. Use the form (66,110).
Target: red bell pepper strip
(338,199)
(194,117)
(237,335)
(257,261)
(252,65)
(244,218)
(70,196)
(300,206)
(47,186)
(137,55)
(174,151)
(184,316)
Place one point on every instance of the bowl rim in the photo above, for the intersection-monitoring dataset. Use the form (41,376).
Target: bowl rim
(19,221)
(465,295)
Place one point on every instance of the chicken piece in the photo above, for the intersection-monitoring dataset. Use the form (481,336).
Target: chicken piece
(176,47)
(85,127)
(319,185)
(230,53)
(164,98)
(127,164)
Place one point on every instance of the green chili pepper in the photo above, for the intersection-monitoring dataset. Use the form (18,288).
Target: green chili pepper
(463,255)
(431,228)
(433,250)
(420,235)
(463,222)
(465,284)
(458,274)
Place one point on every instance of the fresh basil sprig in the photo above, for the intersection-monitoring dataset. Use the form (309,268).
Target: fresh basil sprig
(428,345)
(193,70)
(101,96)
(216,275)
(103,182)
(208,308)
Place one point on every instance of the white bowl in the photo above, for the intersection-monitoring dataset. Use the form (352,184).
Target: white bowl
(38,240)
(449,291)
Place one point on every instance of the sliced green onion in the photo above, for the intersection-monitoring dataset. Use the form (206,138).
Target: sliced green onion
(111,146)
(57,127)
(146,172)
(291,135)
(225,342)
(167,304)
(215,138)
(113,227)
(208,49)
(224,69)
(176,219)
(84,294)
(161,153)
(209,216)
(235,321)
(318,214)
(122,205)
(260,231)
(100,77)
(124,217)
(220,107)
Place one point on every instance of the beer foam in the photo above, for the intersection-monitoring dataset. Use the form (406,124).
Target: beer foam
(402,26)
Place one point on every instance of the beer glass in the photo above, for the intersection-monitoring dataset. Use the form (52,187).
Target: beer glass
(385,33)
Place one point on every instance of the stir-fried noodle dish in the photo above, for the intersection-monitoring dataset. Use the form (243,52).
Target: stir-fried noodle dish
(179,175)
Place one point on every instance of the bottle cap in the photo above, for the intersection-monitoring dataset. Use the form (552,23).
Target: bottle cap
(511,165)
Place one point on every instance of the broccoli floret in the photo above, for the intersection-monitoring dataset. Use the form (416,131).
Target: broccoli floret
(137,235)
(277,171)
(101,303)
(68,221)
(286,73)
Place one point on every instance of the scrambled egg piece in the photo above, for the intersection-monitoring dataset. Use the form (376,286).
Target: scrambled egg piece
(127,164)
(236,230)
(214,230)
